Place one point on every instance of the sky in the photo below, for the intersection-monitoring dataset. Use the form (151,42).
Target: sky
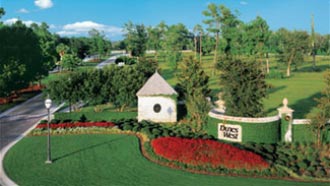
(77,17)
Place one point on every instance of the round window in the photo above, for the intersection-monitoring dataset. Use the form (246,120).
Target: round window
(157,108)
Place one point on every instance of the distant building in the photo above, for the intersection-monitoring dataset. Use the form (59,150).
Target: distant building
(157,100)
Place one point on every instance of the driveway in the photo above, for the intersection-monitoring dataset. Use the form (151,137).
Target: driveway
(16,121)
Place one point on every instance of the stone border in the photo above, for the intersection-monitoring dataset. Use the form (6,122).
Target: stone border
(221,116)
(301,121)
(5,180)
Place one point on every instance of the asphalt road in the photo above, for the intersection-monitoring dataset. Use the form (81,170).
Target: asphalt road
(16,121)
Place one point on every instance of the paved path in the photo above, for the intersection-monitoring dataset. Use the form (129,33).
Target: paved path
(109,61)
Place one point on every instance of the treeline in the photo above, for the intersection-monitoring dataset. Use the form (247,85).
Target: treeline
(226,35)
(27,53)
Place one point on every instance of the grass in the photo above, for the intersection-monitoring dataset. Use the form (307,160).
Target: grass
(301,88)
(105,160)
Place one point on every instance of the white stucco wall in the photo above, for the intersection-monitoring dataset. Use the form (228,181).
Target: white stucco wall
(168,112)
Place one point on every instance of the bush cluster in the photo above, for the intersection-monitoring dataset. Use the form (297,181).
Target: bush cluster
(126,60)
(304,159)
(155,130)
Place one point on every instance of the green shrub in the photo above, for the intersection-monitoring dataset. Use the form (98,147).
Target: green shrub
(127,127)
(126,60)
(83,118)
(311,168)
(55,121)
(320,173)
(156,132)
(302,165)
(67,121)
(43,121)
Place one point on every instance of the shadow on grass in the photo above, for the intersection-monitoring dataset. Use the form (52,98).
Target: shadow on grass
(319,68)
(87,148)
(272,90)
(304,106)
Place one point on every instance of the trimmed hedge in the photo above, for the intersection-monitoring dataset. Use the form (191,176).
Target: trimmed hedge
(251,132)
(302,133)
(95,116)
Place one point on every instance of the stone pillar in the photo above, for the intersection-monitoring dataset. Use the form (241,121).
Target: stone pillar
(285,113)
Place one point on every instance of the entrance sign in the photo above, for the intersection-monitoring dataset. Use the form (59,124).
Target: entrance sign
(230,132)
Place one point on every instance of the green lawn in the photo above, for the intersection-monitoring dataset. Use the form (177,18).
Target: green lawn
(301,88)
(105,160)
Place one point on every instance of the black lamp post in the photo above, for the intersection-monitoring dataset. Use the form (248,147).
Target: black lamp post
(48,104)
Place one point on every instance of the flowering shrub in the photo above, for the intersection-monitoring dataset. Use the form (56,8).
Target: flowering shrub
(77,124)
(200,152)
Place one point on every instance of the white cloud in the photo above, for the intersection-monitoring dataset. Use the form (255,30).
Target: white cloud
(82,28)
(52,26)
(67,33)
(14,20)
(43,4)
(23,11)
(243,3)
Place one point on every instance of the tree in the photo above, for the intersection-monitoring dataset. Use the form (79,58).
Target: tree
(68,88)
(255,39)
(176,38)
(193,81)
(2,12)
(47,42)
(70,61)
(229,31)
(292,47)
(61,49)
(154,40)
(99,45)
(313,47)
(319,120)
(136,39)
(198,29)
(214,21)
(20,57)
(208,44)
(244,87)
(140,41)
(10,76)
(129,29)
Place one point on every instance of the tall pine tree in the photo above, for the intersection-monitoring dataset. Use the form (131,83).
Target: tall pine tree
(193,82)
(244,87)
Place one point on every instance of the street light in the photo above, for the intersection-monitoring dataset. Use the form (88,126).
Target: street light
(48,104)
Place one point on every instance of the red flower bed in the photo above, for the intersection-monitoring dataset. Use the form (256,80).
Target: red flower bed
(77,124)
(32,88)
(9,99)
(200,152)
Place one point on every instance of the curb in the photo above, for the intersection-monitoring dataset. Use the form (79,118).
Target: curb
(5,180)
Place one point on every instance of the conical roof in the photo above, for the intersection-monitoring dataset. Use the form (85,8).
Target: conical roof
(156,85)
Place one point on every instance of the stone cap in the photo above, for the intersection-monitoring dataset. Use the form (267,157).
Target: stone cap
(285,109)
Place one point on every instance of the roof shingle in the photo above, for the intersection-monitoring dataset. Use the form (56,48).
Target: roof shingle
(156,85)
